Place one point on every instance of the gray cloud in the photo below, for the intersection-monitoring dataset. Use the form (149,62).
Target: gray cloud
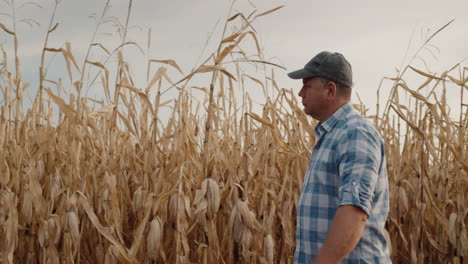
(373,35)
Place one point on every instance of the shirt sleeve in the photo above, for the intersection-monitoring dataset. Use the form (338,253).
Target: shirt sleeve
(359,162)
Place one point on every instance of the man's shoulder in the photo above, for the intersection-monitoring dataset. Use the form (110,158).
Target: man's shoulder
(353,121)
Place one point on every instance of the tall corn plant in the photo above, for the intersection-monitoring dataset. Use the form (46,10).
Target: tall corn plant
(216,183)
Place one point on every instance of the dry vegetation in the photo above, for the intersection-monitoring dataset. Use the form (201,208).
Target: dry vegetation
(216,183)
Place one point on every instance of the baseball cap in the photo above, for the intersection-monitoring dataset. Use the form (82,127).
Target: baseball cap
(332,66)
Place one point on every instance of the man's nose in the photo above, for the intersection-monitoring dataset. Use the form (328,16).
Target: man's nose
(300,93)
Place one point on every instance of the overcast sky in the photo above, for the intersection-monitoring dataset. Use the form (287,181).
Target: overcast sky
(373,35)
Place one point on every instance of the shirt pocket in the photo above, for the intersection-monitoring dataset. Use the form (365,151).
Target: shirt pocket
(325,168)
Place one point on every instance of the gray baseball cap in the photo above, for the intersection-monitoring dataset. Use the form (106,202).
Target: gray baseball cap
(332,66)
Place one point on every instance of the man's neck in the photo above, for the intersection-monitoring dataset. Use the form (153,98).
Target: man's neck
(333,110)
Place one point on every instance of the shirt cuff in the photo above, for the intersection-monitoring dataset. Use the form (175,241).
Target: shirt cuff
(352,194)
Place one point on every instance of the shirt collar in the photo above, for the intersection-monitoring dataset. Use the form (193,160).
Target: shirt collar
(326,126)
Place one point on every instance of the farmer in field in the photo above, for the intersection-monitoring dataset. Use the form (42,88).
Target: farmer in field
(344,201)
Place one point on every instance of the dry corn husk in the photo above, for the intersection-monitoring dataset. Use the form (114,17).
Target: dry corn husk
(138,199)
(241,222)
(74,226)
(269,248)
(154,238)
(27,207)
(212,197)
(207,200)
(172,208)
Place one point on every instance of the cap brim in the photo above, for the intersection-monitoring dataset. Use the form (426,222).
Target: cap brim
(301,74)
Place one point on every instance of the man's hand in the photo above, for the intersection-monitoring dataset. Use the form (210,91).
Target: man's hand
(343,236)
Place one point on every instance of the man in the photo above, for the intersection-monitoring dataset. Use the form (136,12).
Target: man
(344,201)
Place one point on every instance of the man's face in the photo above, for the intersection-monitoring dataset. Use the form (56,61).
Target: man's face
(314,97)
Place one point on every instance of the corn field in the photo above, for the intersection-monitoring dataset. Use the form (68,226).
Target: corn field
(84,180)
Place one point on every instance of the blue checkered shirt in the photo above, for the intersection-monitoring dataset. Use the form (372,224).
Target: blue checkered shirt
(347,167)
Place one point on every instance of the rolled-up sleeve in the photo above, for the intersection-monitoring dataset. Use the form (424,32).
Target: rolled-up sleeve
(359,162)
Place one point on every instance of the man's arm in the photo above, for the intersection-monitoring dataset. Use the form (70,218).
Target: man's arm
(345,232)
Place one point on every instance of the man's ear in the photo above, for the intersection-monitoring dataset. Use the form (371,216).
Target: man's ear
(332,89)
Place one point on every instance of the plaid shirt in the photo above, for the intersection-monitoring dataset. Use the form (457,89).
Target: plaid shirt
(347,167)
